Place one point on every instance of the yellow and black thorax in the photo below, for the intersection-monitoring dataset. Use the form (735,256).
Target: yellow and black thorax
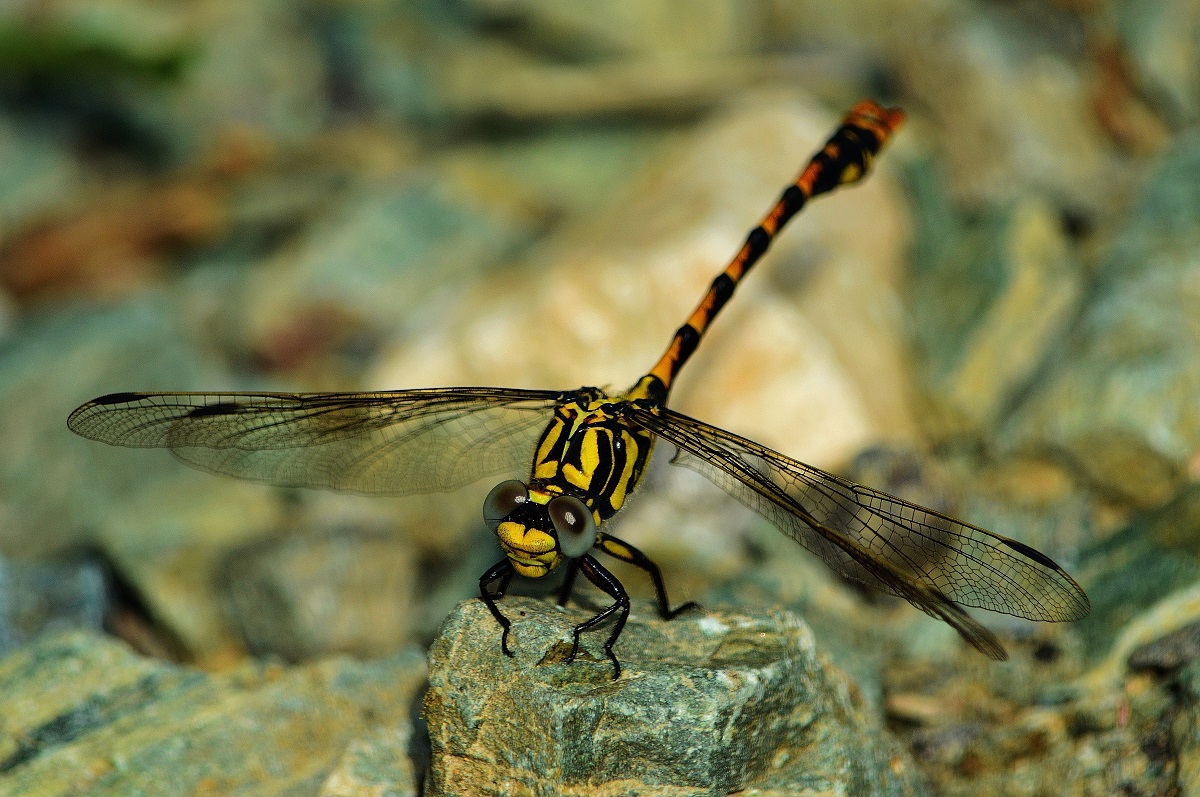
(589,450)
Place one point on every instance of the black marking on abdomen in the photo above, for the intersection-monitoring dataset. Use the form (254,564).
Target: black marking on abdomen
(791,201)
(757,241)
(829,176)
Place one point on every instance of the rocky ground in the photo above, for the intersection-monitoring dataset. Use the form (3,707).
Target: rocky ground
(1000,323)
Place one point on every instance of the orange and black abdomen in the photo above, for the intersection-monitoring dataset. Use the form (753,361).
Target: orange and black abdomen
(844,159)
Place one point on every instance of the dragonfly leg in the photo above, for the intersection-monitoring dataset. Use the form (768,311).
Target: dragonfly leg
(501,572)
(564,591)
(627,553)
(607,582)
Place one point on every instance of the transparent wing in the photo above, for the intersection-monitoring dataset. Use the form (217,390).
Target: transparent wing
(932,560)
(388,443)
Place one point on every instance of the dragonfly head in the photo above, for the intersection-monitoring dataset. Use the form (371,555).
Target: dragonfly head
(538,528)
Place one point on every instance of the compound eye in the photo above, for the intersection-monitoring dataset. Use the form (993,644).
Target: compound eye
(503,500)
(574,523)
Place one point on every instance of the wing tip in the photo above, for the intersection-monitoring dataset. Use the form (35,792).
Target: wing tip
(77,421)
(1081,607)
(1030,552)
(1077,605)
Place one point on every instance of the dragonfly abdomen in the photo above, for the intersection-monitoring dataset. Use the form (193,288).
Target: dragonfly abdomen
(845,158)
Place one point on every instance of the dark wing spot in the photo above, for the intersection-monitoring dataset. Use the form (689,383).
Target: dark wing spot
(1032,553)
(223,408)
(118,398)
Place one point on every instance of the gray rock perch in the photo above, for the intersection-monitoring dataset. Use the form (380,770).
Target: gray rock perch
(709,703)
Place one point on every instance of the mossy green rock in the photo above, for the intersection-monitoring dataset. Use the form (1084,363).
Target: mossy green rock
(81,714)
(1121,403)
(707,704)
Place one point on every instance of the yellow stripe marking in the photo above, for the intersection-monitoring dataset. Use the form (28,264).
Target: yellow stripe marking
(617,498)
(589,456)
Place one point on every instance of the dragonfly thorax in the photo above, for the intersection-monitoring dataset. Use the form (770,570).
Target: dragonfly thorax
(539,525)
(589,449)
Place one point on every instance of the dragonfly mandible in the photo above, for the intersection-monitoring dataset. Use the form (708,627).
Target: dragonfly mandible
(588,451)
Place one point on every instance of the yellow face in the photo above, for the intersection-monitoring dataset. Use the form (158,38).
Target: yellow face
(533,552)
(539,526)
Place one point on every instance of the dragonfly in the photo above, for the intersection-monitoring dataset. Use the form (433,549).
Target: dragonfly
(583,452)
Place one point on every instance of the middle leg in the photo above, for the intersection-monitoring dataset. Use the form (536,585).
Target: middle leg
(627,553)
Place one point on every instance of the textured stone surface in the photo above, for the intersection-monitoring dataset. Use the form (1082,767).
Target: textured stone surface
(991,300)
(55,489)
(663,28)
(307,595)
(1160,37)
(707,704)
(80,714)
(1186,733)
(380,262)
(40,597)
(377,764)
(170,541)
(1121,404)
(1170,652)
(1012,118)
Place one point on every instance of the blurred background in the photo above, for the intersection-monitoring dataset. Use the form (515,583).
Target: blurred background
(1001,322)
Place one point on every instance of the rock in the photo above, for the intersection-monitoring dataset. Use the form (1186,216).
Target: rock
(1159,44)
(1170,616)
(1186,734)
(251,67)
(116,243)
(381,266)
(177,77)
(1138,578)
(1119,401)
(555,173)
(308,595)
(36,174)
(105,41)
(1008,116)
(709,703)
(855,635)
(991,300)
(876,26)
(662,29)
(81,714)
(56,489)
(1170,652)
(978,727)
(490,79)
(41,597)
(171,542)
(377,764)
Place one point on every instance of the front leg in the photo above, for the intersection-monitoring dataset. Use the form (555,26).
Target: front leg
(608,584)
(502,572)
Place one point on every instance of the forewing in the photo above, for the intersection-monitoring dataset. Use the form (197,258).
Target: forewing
(387,443)
(914,552)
